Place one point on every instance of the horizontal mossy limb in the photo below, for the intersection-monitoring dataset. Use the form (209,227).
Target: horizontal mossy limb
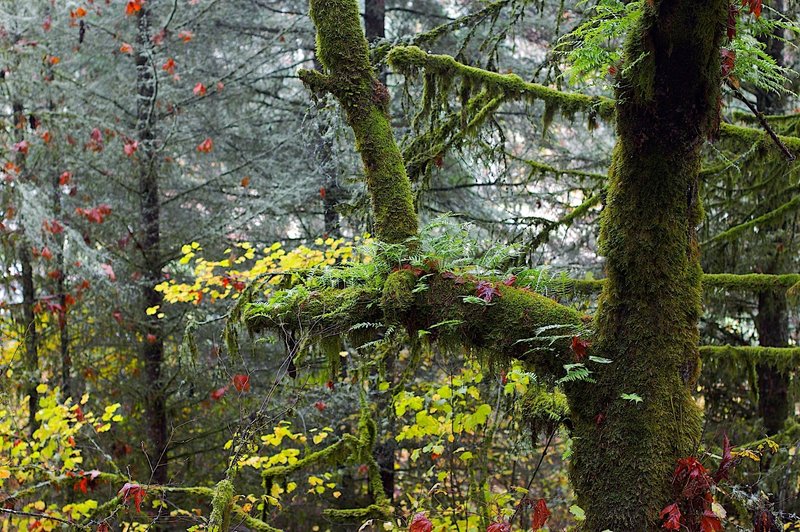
(754,135)
(407,59)
(373,511)
(781,358)
(748,282)
(251,522)
(775,214)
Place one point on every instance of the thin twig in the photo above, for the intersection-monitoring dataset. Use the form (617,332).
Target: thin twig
(763,121)
(533,476)
(36,515)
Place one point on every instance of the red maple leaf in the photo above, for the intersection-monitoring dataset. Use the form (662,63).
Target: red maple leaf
(241,383)
(132,491)
(199,89)
(754,7)
(420,523)
(579,347)
(691,477)
(540,514)
(673,517)
(486,291)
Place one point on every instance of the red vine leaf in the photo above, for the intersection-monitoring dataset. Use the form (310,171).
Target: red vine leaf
(540,515)
(673,517)
(420,523)
(131,491)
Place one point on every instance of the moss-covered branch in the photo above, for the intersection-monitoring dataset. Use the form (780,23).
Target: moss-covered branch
(761,138)
(517,323)
(781,358)
(410,59)
(749,282)
(766,218)
(349,76)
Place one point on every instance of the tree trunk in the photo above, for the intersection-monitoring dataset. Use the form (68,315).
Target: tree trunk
(152,348)
(772,322)
(625,452)
(27,320)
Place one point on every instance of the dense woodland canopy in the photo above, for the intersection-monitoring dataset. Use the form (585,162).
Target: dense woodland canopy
(427,265)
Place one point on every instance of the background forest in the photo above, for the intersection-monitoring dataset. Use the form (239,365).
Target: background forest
(164,169)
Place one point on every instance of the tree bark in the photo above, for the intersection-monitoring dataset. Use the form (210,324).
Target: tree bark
(647,323)
(151,330)
(772,322)
(27,320)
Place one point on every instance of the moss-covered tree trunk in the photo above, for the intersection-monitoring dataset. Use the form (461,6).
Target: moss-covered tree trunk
(625,452)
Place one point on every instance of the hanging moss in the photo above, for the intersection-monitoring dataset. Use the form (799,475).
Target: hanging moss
(545,410)
(349,76)
(410,59)
(765,219)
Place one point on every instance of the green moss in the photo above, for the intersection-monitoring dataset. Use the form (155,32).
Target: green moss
(765,219)
(625,452)
(760,138)
(220,519)
(411,59)
(544,409)
(397,295)
(752,282)
(343,50)
(785,359)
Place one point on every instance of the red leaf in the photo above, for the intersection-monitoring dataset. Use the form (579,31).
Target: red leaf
(130,147)
(691,477)
(103,527)
(420,523)
(320,405)
(126,48)
(117,315)
(330,385)
(64,178)
(95,214)
(733,12)
(81,485)
(109,271)
(133,7)
(218,393)
(206,146)
(169,66)
(540,515)
(579,347)
(728,61)
(510,280)
(710,522)
(185,35)
(241,383)
(199,89)
(21,147)
(486,291)
(500,526)
(726,464)
(673,517)
(132,491)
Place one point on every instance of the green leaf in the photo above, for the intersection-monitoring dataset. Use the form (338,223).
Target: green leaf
(632,397)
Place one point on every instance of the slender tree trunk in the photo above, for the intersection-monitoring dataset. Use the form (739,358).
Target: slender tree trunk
(772,322)
(27,320)
(61,293)
(152,348)
(647,322)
